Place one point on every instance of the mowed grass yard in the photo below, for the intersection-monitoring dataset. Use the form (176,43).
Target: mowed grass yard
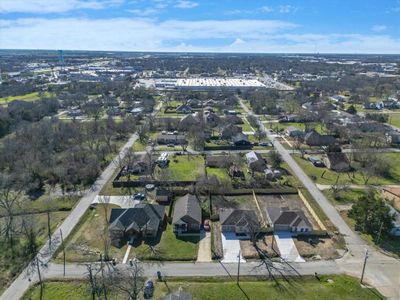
(86,242)
(330,176)
(338,287)
(184,167)
(319,127)
(27,97)
(394,119)
(168,247)
(220,173)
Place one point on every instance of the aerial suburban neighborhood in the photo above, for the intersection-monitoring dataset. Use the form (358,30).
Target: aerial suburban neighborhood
(197,175)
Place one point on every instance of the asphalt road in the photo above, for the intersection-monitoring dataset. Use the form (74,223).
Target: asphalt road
(21,284)
(382,271)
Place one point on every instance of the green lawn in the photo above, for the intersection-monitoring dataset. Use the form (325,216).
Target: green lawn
(337,287)
(27,97)
(319,127)
(85,243)
(221,174)
(185,167)
(246,125)
(169,247)
(344,197)
(394,119)
(330,177)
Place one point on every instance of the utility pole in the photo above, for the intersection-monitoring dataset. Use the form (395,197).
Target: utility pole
(379,234)
(63,249)
(238,271)
(365,263)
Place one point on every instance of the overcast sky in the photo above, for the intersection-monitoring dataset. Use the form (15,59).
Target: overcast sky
(325,26)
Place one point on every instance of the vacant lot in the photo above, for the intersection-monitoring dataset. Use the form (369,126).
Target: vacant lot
(329,177)
(235,202)
(220,173)
(87,240)
(330,287)
(315,248)
(319,127)
(10,266)
(394,119)
(184,167)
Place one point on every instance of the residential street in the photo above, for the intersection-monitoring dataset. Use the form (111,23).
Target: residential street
(21,283)
(382,271)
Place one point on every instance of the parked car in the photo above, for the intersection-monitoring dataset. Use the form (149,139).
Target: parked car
(148,289)
(139,196)
(171,145)
(206,225)
(265,144)
(316,162)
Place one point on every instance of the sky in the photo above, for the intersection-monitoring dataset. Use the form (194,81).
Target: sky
(253,26)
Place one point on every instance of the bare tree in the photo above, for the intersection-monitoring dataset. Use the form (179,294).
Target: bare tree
(129,281)
(104,202)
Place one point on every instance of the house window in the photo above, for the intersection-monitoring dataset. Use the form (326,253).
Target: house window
(306,229)
(302,229)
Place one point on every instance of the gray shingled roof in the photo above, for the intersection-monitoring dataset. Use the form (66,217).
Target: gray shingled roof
(238,217)
(187,208)
(138,217)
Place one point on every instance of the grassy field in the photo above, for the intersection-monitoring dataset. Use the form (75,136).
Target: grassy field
(185,167)
(330,177)
(394,119)
(27,97)
(10,267)
(168,247)
(389,244)
(337,287)
(221,174)
(85,243)
(344,197)
(246,125)
(319,127)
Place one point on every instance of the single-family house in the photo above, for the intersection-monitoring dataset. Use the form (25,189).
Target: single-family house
(313,138)
(337,161)
(217,161)
(230,130)
(255,162)
(143,220)
(184,109)
(294,132)
(187,215)
(240,139)
(284,219)
(140,165)
(189,121)
(239,221)
(394,137)
(235,172)
(174,139)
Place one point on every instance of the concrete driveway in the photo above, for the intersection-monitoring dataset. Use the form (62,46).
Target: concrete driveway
(287,248)
(204,253)
(121,201)
(231,247)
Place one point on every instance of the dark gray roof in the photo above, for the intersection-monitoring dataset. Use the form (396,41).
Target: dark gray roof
(336,158)
(240,137)
(284,216)
(138,217)
(238,217)
(187,208)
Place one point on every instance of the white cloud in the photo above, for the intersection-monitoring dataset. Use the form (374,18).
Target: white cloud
(285,9)
(146,12)
(266,9)
(186,4)
(53,6)
(379,28)
(130,34)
